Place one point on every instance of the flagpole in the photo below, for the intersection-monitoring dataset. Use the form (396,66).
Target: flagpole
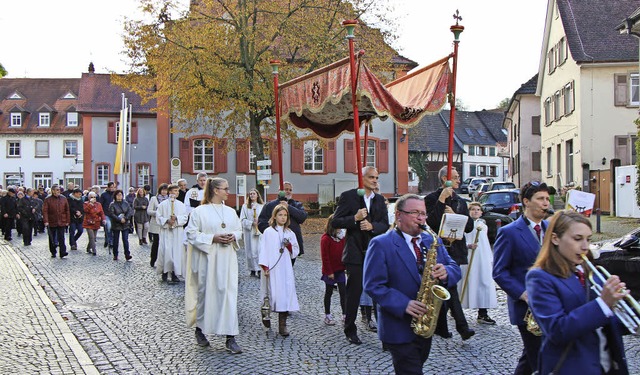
(130,140)
(456,30)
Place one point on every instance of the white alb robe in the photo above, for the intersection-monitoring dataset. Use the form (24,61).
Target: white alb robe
(211,284)
(171,254)
(251,234)
(281,279)
(480,291)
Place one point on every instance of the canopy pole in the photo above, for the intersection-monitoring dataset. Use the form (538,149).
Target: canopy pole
(274,69)
(456,30)
(350,25)
(367,125)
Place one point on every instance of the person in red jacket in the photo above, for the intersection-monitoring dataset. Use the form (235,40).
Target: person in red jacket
(55,214)
(94,217)
(331,248)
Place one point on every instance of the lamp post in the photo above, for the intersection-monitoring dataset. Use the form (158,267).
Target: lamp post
(456,30)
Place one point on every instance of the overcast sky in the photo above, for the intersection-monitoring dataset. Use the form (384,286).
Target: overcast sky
(499,49)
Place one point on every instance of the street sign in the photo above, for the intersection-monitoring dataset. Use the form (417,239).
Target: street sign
(263,171)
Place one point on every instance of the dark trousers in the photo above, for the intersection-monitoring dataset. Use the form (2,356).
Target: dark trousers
(354,290)
(409,358)
(7,227)
(56,238)
(125,241)
(27,231)
(454,305)
(327,297)
(75,231)
(528,361)
(155,242)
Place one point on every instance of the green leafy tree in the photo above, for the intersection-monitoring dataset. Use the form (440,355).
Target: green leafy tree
(418,161)
(3,71)
(212,61)
(503,104)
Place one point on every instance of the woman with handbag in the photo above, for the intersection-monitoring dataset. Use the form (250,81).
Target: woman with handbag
(121,214)
(581,335)
(94,217)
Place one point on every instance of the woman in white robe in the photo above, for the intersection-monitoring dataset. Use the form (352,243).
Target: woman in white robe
(480,290)
(211,288)
(249,217)
(171,216)
(278,245)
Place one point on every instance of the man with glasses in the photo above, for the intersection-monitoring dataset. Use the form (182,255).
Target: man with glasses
(364,217)
(445,200)
(393,269)
(516,248)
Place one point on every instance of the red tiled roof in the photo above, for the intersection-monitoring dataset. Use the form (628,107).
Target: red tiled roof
(99,95)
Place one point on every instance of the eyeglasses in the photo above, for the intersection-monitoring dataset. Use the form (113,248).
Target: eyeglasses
(415,214)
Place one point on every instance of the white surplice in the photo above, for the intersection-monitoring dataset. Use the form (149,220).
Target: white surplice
(282,282)
(171,254)
(481,290)
(251,234)
(211,284)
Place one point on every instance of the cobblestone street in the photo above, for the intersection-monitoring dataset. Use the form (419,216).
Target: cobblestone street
(86,314)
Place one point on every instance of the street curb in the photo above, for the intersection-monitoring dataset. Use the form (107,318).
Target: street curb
(81,355)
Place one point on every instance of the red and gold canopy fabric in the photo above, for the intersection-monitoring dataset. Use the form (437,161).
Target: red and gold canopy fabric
(321,100)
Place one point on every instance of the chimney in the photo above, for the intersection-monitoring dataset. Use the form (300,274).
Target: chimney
(91,68)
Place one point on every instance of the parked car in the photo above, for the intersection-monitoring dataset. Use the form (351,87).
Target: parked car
(492,218)
(475,182)
(483,188)
(464,186)
(500,185)
(501,201)
(621,256)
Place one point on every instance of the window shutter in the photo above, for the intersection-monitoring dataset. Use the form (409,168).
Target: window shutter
(185,155)
(383,156)
(573,96)
(492,151)
(349,156)
(331,164)
(297,156)
(620,90)
(134,132)
(220,156)
(472,150)
(535,125)
(111,132)
(472,170)
(242,156)
(536,161)
(273,155)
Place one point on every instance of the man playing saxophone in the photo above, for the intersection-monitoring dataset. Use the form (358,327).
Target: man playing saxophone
(393,270)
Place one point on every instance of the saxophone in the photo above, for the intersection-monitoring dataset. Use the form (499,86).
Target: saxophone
(431,293)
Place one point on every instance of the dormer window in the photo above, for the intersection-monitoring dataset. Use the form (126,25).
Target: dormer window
(72,118)
(44,119)
(16,120)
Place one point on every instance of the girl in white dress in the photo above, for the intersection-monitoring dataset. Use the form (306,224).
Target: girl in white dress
(278,246)
(477,290)
(249,218)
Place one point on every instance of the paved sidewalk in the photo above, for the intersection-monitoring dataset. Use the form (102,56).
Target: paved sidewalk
(128,322)
(35,338)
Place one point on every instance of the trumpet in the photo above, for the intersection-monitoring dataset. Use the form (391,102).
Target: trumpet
(627,309)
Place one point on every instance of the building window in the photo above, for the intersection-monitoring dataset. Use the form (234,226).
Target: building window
(482,170)
(16,119)
(557,109)
(472,150)
(569,100)
(42,149)
(128,139)
(77,181)
(492,151)
(482,151)
(634,94)
(569,160)
(143,174)
(472,170)
(44,179)
(45,119)
(202,155)
(561,51)
(13,149)
(535,125)
(72,118)
(547,111)
(371,152)
(102,174)
(626,89)
(313,156)
(493,171)
(536,163)
(551,59)
(70,148)
(549,162)
(266,150)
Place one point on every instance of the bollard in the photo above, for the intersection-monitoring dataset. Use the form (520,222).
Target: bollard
(597,220)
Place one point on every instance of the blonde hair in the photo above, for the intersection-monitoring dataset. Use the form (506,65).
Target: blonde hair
(278,208)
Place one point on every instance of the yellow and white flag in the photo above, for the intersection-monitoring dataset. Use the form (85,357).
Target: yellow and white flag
(121,137)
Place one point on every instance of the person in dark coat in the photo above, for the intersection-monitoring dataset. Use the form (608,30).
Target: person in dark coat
(121,215)
(297,214)
(76,210)
(9,211)
(445,200)
(26,215)
(105,200)
(364,217)
(38,224)
(55,213)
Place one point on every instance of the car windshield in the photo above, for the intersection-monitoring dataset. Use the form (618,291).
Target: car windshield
(497,198)
(503,185)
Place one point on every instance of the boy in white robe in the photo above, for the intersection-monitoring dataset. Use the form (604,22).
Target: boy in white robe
(171,216)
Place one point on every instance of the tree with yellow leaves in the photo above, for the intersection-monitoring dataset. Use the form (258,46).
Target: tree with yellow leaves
(212,60)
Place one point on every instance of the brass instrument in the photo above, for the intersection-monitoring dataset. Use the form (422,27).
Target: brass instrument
(431,293)
(532,325)
(627,309)
(479,227)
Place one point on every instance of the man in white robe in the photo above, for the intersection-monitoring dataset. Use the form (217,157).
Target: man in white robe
(211,290)
(171,216)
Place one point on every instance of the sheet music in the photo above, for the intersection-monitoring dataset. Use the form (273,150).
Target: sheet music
(580,201)
(452,226)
